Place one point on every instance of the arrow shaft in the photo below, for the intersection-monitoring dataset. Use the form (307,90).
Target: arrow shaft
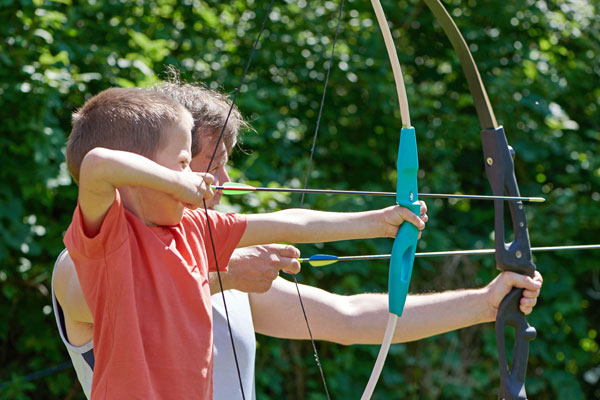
(375,193)
(460,253)
(492,251)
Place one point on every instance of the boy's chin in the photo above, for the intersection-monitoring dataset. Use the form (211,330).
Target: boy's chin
(171,218)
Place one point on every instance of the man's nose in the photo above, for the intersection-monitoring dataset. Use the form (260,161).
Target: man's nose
(222,176)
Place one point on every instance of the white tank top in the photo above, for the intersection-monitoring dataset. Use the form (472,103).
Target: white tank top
(225,378)
(82,357)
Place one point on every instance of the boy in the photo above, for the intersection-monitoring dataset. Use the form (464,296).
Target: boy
(140,250)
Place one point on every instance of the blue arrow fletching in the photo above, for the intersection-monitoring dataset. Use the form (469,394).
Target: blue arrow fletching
(321,260)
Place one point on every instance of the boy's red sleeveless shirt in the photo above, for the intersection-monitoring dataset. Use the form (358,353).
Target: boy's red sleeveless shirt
(148,290)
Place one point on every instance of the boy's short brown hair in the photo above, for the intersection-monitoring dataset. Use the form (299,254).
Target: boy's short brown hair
(121,119)
(209,110)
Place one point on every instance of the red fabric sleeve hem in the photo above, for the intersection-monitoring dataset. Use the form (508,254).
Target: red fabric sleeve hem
(237,231)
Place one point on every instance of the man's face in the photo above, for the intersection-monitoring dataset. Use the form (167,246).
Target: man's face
(217,168)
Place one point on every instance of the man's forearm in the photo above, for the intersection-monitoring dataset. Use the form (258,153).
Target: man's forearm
(361,319)
(424,315)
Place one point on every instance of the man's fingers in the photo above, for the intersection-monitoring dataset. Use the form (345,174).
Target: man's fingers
(292,267)
(531,289)
(285,257)
(271,273)
(523,281)
(411,217)
(284,250)
(531,293)
(526,305)
(525,302)
(423,213)
(256,286)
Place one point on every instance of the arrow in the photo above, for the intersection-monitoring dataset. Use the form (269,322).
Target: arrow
(234,188)
(321,260)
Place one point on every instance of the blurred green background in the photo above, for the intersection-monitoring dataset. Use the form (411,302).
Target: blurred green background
(540,62)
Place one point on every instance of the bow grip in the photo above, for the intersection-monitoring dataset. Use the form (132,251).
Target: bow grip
(405,244)
(513,380)
(401,264)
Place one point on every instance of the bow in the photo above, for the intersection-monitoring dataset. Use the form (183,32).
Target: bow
(514,256)
(405,243)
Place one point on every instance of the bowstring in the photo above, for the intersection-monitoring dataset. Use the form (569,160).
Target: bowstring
(308,170)
(212,158)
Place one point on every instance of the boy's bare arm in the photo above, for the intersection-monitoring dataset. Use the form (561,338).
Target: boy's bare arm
(103,171)
(310,226)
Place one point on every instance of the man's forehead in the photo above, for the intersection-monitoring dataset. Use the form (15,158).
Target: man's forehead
(221,155)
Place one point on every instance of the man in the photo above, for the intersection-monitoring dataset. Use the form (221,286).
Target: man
(259,301)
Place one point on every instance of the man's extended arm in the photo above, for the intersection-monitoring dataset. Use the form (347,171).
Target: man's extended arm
(361,318)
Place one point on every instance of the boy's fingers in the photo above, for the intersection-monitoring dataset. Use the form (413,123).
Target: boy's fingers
(208,178)
(204,186)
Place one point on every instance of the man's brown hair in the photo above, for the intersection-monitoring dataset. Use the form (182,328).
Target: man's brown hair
(209,110)
(121,119)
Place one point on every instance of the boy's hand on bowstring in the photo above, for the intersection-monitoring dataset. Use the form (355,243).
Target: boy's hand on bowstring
(194,188)
(397,215)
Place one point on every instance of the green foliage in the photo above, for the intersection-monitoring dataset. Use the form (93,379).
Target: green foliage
(538,59)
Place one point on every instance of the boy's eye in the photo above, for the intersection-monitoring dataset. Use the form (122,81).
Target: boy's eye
(184,164)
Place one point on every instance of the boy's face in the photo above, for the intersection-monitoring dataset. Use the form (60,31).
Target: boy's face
(175,153)
(217,168)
